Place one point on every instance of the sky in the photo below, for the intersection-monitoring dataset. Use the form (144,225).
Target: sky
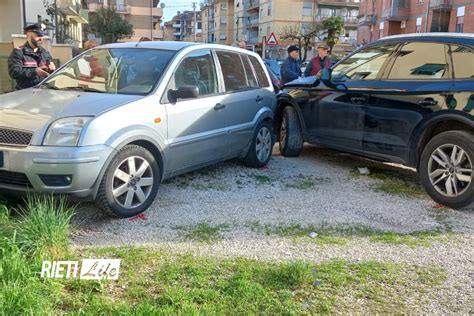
(177,5)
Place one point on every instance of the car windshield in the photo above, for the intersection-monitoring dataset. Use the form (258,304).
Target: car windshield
(362,65)
(112,70)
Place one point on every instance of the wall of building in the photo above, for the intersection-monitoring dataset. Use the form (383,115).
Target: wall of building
(11,19)
(415,10)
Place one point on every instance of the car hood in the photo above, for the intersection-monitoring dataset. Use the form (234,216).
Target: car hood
(32,108)
(302,82)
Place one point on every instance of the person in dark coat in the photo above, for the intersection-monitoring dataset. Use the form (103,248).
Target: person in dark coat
(318,63)
(291,68)
(30,63)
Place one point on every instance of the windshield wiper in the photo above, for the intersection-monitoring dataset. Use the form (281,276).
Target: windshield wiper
(49,86)
(86,89)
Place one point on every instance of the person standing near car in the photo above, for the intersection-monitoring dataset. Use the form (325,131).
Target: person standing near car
(318,63)
(30,64)
(291,67)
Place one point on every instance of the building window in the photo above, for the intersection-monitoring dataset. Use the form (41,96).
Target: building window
(269,9)
(307,9)
(460,24)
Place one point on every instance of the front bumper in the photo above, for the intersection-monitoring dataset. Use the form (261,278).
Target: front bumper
(82,164)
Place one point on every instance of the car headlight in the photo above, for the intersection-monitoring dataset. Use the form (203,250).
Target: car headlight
(65,132)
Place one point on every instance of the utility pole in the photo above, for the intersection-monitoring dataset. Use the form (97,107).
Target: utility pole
(195,21)
(151,19)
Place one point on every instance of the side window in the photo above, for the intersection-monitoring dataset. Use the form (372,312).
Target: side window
(233,71)
(463,61)
(261,76)
(364,65)
(420,61)
(196,69)
(251,80)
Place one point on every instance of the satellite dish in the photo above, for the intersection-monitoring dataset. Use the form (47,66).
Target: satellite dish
(162,5)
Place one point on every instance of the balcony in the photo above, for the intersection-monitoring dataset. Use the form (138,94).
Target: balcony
(73,8)
(391,14)
(177,25)
(252,5)
(348,20)
(341,3)
(122,8)
(367,20)
(441,4)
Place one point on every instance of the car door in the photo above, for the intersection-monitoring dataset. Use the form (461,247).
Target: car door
(196,126)
(335,115)
(415,85)
(243,98)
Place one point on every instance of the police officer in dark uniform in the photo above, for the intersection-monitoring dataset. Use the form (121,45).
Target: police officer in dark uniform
(30,64)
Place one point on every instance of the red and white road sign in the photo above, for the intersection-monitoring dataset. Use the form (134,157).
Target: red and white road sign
(272,40)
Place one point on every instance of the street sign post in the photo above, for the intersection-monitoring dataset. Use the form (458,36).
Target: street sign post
(272,40)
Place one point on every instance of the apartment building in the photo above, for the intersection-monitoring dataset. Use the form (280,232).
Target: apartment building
(258,18)
(218,21)
(144,15)
(72,15)
(381,18)
(182,27)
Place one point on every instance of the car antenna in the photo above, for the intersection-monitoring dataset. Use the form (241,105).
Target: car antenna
(142,39)
(139,41)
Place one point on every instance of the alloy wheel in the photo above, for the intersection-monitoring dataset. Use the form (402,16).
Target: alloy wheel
(132,182)
(450,170)
(263,144)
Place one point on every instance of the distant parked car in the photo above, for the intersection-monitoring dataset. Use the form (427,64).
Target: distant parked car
(114,122)
(274,67)
(404,99)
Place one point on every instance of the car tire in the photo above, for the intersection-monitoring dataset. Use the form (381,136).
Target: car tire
(444,166)
(124,192)
(260,150)
(291,136)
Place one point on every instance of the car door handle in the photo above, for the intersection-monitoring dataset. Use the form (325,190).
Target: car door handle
(219,106)
(428,102)
(259,99)
(358,100)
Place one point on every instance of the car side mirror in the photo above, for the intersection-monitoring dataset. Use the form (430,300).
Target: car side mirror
(183,92)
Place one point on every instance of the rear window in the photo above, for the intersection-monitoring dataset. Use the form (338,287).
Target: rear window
(251,79)
(261,76)
(463,61)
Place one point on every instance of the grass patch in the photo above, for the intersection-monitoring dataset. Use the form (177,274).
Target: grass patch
(184,284)
(395,182)
(203,232)
(44,226)
(341,234)
(155,282)
(41,232)
(304,182)
(261,178)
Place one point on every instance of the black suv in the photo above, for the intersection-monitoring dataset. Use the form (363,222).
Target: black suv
(407,99)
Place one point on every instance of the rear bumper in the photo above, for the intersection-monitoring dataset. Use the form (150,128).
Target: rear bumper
(26,169)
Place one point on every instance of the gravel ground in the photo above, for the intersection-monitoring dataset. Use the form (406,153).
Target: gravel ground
(321,187)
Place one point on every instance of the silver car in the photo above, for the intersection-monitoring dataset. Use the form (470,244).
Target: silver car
(114,122)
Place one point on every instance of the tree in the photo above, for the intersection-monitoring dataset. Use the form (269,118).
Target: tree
(302,34)
(109,25)
(333,27)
